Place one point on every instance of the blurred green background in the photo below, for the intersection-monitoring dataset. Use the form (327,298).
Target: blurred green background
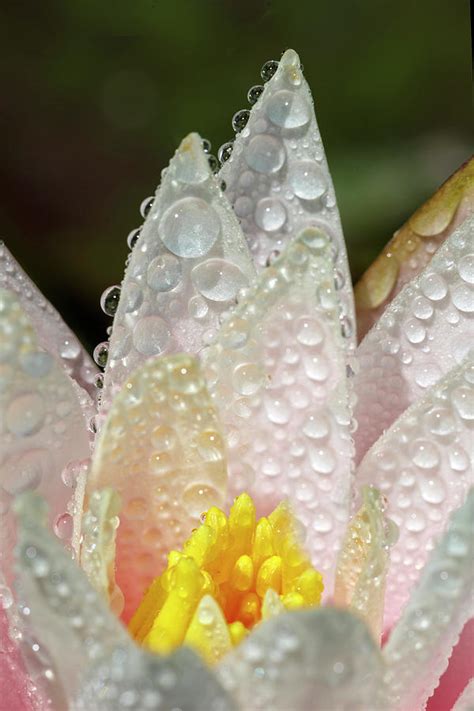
(96,95)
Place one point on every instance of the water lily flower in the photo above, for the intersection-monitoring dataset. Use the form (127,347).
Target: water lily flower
(246,510)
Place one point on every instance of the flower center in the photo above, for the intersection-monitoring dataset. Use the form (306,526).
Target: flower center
(232,573)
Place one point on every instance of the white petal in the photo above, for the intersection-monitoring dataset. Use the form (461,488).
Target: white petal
(186,269)
(59,608)
(421,642)
(277,375)
(424,332)
(423,466)
(277,177)
(43,428)
(316,659)
(161,450)
(53,334)
(132,678)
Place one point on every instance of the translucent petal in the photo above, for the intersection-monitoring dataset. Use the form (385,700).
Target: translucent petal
(133,678)
(53,334)
(161,450)
(319,660)
(363,561)
(99,526)
(466,701)
(423,333)
(43,426)
(277,177)
(420,644)
(413,246)
(423,466)
(59,608)
(186,269)
(277,374)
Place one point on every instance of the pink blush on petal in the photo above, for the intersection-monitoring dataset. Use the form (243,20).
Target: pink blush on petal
(458,673)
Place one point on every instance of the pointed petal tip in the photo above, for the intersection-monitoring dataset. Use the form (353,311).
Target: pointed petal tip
(191,164)
(192,143)
(290,58)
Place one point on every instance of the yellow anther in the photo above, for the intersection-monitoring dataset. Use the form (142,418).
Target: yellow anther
(231,573)
(269,575)
(242,574)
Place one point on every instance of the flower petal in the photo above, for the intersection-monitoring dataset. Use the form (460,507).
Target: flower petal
(277,374)
(466,701)
(133,678)
(186,269)
(422,466)
(43,430)
(53,334)
(161,450)
(277,177)
(413,245)
(423,333)
(313,659)
(421,642)
(61,610)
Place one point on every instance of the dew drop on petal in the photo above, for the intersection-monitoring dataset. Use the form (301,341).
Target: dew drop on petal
(190,228)
(218,279)
(307,180)
(287,109)
(151,335)
(265,154)
(270,214)
(164,273)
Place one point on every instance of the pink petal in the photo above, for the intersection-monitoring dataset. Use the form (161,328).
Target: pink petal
(17,690)
(53,334)
(186,269)
(422,640)
(458,677)
(161,450)
(422,465)
(277,374)
(277,177)
(424,333)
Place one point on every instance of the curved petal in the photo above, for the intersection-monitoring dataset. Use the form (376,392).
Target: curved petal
(42,429)
(277,374)
(277,177)
(133,678)
(466,701)
(413,245)
(422,465)
(313,659)
(424,333)
(458,673)
(53,334)
(161,450)
(59,608)
(185,270)
(421,642)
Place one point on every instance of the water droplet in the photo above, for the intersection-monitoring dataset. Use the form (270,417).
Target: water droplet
(163,438)
(63,526)
(265,154)
(25,414)
(198,498)
(425,454)
(463,298)
(463,400)
(466,268)
(427,374)
(309,332)
(307,180)
(415,521)
(132,238)
(146,206)
(101,353)
(322,459)
(346,326)
(458,459)
(254,93)
(218,280)
(422,308)
(433,286)
(190,228)
(213,163)
(432,490)
(440,422)
(225,151)
(6,598)
(247,379)
(240,120)
(414,331)
(316,368)
(270,214)
(99,381)
(70,349)
(206,145)
(268,69)
(164,273)
(277,409)
(151,335)
(109,300)
(316,427)
(197,307)
(322,522)
(288,110)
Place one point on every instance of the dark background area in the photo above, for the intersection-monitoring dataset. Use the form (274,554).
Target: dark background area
(96,95)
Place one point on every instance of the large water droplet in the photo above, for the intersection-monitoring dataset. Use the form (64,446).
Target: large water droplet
(322,459)
(151,335)
(247,379)
(198,498)
(218,280)
(309,332)
(425,454)
(190,227)
(288,109)
(25,414)
(466,268)
(307,180)
(422,308)
(433,286)
(414,331)
(463,298)
(277,409)
(270,214)
(265,154)
(463,401)
(63,526)
(316,427)
(164,273)
(432,490)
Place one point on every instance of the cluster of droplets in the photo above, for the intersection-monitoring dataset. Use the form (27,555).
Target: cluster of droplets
(406,354)
(426,480)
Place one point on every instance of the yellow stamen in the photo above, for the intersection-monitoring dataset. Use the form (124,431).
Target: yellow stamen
(232,573)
